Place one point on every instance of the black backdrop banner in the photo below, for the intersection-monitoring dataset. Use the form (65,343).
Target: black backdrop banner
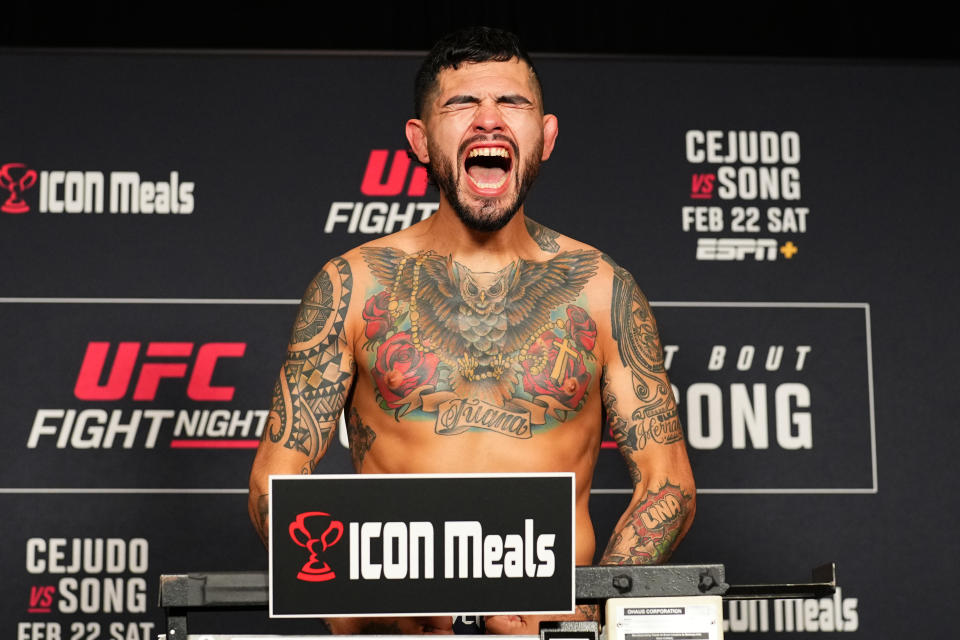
(792,224)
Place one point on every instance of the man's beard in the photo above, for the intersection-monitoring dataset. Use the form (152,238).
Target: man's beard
(487,216)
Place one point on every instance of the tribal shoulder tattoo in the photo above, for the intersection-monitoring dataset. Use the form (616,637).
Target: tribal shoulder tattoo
(635,332)
(313,384)
(507,352)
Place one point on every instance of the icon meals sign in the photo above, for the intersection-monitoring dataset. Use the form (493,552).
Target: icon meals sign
(421,544)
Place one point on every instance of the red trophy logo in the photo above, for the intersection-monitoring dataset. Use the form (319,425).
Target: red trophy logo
(16,185)
(314,570)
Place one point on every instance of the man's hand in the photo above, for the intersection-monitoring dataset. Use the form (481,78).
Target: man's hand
(530,625)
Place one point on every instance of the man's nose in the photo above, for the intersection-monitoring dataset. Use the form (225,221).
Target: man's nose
(488,117)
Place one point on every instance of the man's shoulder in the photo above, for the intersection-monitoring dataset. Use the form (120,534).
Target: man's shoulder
(612,287)
(372,261)
(556,243)
(564,255)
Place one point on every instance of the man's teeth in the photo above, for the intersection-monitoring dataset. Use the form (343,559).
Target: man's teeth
(499,152)
(489,151)
(489,185)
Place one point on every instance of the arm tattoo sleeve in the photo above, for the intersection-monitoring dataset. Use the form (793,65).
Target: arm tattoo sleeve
(313,385)
(653,527)
(625,435)
(635,331)
(639,416)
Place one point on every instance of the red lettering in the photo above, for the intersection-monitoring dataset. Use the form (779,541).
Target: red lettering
(88,385)
(200,387)
(373,184)
(41,596)
(152,372)
(701,185)
(418,182)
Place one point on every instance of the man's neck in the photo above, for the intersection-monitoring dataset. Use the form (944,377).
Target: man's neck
(480,250)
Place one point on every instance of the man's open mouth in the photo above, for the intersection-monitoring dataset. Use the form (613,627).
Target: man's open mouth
(488,167)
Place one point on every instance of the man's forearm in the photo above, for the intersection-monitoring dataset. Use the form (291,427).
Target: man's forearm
(258,506)
(652,527)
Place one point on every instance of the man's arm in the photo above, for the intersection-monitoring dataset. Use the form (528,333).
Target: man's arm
(641,414)
(310,391)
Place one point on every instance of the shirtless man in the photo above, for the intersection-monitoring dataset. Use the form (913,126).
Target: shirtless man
(478,340)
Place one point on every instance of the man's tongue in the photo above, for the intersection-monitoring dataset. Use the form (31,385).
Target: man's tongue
(486,176)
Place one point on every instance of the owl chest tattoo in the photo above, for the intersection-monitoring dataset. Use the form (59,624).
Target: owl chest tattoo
(506,352)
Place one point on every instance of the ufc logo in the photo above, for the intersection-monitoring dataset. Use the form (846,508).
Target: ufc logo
(701,185)
(373,178)
(178,357)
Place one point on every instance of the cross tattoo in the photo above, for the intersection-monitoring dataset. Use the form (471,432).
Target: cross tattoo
(563,352)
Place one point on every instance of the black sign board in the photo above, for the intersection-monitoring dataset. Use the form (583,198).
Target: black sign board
(373,545)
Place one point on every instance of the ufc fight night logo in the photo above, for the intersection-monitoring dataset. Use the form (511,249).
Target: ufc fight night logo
(387,177)
(161,373)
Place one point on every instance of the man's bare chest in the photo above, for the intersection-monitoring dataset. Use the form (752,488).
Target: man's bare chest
(511,352)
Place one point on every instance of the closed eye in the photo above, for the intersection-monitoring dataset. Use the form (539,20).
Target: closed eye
(461,100)
(514,100)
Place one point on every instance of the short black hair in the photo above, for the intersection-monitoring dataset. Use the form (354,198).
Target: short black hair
(471,44)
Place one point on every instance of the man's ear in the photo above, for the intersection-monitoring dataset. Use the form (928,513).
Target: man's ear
(417,137)
(550,132)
